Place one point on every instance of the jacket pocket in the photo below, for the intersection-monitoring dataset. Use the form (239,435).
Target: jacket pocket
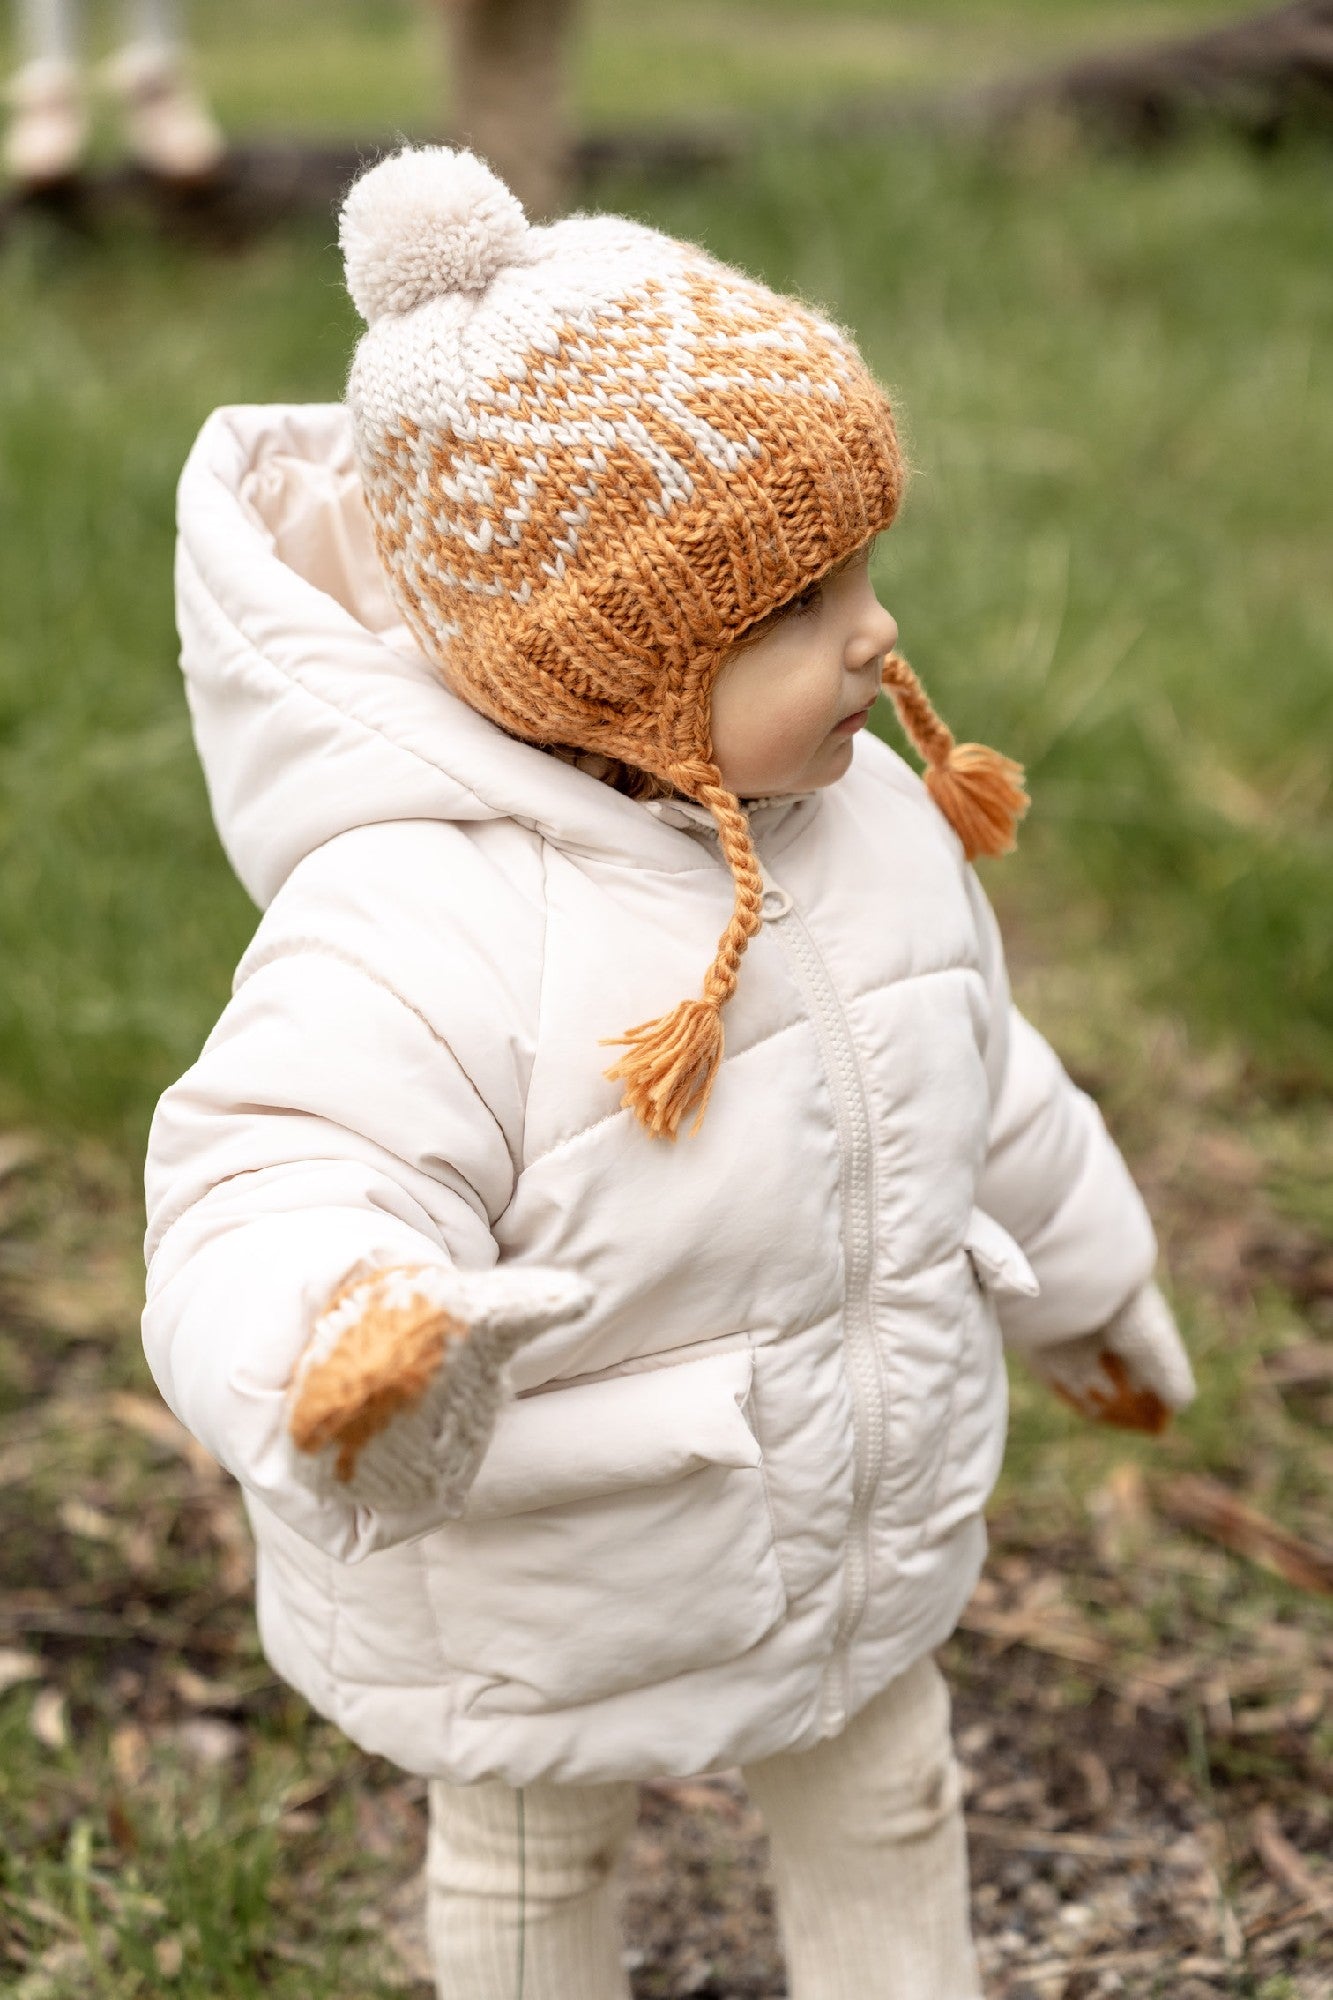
(618,1534)
(997,1270)
(1000,1266)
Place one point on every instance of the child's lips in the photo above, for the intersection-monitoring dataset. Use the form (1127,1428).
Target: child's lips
(851,723)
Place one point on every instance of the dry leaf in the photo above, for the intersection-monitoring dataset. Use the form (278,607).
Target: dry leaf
(1121,1514)
(401,1921)
(18,1462)
(205,1741)
(169,1956)
(155,1421)
(90,1522)
(82,1307)
(18,1149)
(16,1667)
(48,1720)
(196,1692)
(1303,1365)
(129,1754)
(1299,1713)
(121,1827)
(1097,1779)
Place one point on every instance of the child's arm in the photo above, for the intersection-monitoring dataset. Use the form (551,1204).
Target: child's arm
(1097,1329)
(328,1133)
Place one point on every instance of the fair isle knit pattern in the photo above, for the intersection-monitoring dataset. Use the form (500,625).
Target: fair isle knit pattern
(593,457)
(588,479)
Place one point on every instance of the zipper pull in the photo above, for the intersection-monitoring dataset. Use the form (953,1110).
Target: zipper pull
(776,902)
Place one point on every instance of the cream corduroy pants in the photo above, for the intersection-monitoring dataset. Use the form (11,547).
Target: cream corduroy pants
(868,1859)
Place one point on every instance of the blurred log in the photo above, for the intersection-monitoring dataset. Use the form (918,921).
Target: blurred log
(267,181)
(507,64)
(1258,76)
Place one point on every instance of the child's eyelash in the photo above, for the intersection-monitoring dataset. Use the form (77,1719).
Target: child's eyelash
(808,599)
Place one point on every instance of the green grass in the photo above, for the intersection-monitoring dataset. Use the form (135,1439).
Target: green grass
(1114,377)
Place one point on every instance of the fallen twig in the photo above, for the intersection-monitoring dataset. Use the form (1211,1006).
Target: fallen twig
(1040,1840)
(1288,1867)
(1212,1509)
(1020,1628)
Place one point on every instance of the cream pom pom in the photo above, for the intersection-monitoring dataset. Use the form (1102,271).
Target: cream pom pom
(426,222)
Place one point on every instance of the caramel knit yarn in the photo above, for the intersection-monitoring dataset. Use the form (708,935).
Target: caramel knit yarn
(593,457)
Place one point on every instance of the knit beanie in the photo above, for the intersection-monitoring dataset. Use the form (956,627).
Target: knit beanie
(593,458)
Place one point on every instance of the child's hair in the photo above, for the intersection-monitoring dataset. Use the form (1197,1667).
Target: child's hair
(595,460)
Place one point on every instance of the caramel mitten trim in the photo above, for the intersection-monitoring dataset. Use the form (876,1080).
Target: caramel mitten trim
(395,1397)
(1133,1373)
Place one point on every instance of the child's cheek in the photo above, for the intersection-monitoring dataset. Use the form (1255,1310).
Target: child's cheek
(769,723)
(795,724)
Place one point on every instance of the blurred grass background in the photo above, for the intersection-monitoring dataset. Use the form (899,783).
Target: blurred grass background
(1115,380)
(1114,374)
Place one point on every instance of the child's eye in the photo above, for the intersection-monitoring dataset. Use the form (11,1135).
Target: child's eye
(807,600)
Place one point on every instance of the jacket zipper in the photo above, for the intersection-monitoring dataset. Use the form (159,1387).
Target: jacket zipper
(868,1416)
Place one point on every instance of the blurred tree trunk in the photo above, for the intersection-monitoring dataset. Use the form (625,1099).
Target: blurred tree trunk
(507,62)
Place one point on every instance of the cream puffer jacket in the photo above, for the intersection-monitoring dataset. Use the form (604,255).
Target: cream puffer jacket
(744,1489)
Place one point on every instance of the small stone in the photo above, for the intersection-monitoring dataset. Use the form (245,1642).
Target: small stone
(169,1956)
(205,1741)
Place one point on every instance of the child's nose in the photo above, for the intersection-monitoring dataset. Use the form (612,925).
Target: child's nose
(876,634)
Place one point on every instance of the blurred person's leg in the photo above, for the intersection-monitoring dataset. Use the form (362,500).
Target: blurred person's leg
(168,127)
(523,1881)
(47,127)
(46,31)
(868,1853)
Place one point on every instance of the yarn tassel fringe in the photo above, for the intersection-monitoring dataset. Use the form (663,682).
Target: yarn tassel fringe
(670,1066)
(980,792)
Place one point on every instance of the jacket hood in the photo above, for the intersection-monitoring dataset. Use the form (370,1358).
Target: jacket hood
(313,708)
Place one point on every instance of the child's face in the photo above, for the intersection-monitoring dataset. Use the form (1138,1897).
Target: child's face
(788,703)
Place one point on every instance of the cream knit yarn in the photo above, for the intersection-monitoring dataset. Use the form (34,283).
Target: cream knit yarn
(593,457)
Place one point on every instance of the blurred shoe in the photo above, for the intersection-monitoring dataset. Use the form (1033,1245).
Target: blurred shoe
(169,128)
(48,125)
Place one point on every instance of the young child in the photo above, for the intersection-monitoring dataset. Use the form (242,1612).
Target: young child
(612,1400)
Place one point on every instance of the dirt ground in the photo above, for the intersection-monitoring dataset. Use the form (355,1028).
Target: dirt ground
(1142,1681)
(1128,1837)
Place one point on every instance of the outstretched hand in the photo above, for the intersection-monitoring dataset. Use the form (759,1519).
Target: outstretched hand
(1133,1372)
(395,1397)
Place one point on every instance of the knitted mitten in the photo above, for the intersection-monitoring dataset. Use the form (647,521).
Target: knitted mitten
(395,1397)
(1134,1372)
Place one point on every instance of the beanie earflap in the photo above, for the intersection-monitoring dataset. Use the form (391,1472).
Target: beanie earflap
(978,790)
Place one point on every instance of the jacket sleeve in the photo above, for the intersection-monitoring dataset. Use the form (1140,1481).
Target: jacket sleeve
(326,1128)
(1053,1177)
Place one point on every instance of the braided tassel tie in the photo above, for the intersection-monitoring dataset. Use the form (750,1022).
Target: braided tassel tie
(979,791)
(671,1065)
